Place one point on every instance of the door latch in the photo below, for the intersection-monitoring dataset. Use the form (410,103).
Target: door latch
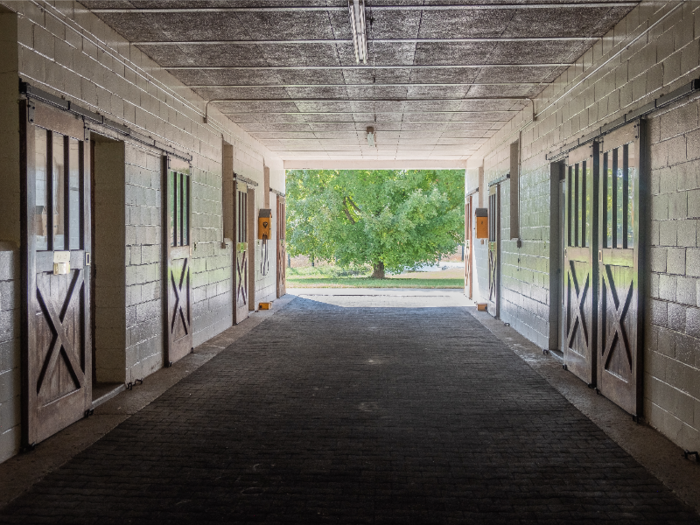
(600,255)
(87,258)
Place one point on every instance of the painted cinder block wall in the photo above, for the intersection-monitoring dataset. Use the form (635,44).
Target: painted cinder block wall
(652,51)
(10,402)
(62,48)
(672,381)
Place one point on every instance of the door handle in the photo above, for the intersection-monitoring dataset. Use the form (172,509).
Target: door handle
(600,255)
(87,258)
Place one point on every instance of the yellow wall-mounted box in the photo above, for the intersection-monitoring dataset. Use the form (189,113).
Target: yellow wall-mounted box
(482,223)
(265,224)
(265,306)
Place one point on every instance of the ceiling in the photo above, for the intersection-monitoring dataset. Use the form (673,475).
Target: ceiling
(442,76)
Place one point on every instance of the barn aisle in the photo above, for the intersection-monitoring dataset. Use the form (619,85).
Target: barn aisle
(344,413)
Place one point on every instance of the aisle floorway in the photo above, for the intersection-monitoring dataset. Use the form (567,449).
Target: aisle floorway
(339,413)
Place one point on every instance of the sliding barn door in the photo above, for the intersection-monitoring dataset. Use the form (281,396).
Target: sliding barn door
(281,248)
(178,269)
(619,324)
(240,275)
(493,302)
(57,356)
(580,274)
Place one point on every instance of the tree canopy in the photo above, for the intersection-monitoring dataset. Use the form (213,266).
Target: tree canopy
(391,219)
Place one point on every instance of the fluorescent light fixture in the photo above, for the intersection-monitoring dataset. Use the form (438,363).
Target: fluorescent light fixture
(370,136)
(359,29)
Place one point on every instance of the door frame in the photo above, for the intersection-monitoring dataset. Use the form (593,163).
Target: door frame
(252,247)
(468,238)
(494,307)
(560,336)
(556,256)
(281,247)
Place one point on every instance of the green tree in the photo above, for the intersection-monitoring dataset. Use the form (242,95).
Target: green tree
(391,219)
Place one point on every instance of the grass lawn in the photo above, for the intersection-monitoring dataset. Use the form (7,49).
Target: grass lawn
(439,279)
(358,282)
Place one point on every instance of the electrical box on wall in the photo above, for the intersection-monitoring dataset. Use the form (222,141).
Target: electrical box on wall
(482,223)
(265,224)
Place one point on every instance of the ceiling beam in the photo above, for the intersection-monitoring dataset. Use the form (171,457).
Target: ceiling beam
(367,67)
(348,41)
(485,133)
(371,113)
(295,100)
(370,8)
(460,141)
(402,84)
(369,164)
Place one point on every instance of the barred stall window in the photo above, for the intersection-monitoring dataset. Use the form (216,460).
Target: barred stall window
(178,207)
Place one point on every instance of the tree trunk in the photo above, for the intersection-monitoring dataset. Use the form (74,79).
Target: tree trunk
(378,272)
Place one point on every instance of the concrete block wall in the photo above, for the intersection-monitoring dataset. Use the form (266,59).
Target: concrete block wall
(212,294)
(672,375)
(10,403)
(62,48)
(143,263)
(10,378)
(652,51)
(525,270)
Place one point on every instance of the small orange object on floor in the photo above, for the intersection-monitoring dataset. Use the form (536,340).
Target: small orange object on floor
(481,307)
(265,306)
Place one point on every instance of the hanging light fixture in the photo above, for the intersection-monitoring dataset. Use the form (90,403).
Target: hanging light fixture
(370,136)
(359,29)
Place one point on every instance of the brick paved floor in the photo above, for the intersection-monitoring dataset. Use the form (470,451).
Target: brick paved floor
(329,414)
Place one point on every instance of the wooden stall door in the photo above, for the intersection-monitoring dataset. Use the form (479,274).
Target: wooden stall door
(178,273)
(281,248)
(619,310)
(580,274)
(240,276)
(494,217)
(468,248)
(56,356)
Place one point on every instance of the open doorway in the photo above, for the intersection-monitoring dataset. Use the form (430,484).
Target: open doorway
(108,271)
(556,256)
(494,252)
